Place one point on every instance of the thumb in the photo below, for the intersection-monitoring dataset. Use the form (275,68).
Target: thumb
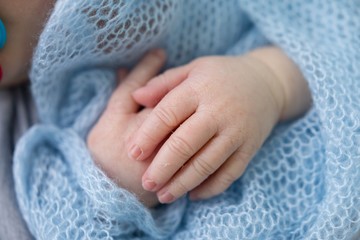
(121,99)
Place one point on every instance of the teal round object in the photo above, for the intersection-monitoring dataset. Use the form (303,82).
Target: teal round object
(2,34)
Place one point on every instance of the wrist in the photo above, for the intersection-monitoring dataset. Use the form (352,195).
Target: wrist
(272,82)
(286,82)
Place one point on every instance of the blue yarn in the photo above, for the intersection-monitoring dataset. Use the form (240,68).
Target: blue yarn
(302,184)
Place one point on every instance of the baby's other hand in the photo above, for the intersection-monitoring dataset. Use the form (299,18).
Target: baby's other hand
(106,141)
(210,117)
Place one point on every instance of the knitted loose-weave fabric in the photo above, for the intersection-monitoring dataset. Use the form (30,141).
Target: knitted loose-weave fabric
(302,184)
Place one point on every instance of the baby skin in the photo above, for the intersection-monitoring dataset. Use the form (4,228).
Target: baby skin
(201,123)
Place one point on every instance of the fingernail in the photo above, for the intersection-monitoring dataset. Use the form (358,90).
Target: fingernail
(149,185)
(135,152)
(166,198)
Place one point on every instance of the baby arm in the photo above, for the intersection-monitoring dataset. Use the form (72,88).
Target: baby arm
(213,114)
(122,116)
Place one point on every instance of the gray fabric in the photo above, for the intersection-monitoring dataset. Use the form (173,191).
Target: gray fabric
(16,115)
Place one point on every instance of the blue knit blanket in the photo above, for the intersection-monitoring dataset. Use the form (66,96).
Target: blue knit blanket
(302,184)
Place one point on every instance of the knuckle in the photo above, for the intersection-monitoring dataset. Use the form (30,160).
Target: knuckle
(180,147)
(202,168)
(146,136)
(166,116)
(231,141)
(179,187)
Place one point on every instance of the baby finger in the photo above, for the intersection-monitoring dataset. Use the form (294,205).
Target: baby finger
(228,173)
(198,169)
(179,148)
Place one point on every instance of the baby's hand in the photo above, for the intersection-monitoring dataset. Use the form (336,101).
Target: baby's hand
(218,111)
(210,118)
(106,141)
